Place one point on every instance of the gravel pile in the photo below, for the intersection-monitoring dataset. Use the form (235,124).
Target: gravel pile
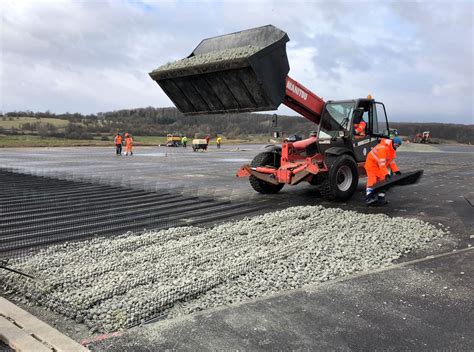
(208,58)
(114,283)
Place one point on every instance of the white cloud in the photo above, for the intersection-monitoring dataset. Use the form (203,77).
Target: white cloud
(93,56)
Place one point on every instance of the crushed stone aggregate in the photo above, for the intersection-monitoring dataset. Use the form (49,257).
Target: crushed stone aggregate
(114,283)
(207,58)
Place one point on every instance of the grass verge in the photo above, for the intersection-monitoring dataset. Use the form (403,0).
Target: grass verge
(19,141)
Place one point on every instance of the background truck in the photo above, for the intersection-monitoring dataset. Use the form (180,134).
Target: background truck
(199,144)
(424,137)
(248,71)
(173,140)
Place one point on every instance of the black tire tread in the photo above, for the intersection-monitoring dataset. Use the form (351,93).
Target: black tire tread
(327,189)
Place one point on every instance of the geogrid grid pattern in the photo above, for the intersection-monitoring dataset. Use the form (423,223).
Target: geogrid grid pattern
(40,210)
(114,283)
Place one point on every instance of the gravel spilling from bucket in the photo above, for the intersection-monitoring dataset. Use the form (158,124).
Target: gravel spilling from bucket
(207,58)
(114,283)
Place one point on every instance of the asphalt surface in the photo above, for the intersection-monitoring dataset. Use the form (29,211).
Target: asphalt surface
(424,306)
(313,318)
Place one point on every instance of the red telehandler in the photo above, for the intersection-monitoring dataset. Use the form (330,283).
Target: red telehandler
(424,137)
(248,71)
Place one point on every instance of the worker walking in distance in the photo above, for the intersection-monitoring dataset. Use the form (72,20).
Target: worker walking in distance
(128,144)
(218,142)
(184,141)
(118,143)
(380,160)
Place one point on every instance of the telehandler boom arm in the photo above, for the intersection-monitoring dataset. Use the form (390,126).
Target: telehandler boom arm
(303,101)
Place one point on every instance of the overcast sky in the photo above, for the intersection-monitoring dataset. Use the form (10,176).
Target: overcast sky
(93,56)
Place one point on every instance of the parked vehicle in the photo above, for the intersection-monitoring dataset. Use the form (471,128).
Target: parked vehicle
(173,140)
(424,137)
(199,144)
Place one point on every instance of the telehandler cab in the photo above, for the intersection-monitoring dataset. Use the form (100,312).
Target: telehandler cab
(248,71)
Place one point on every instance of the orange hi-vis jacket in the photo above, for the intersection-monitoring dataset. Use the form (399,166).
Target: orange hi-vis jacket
(359,128)
(128,143)
(118,139)
(380,158)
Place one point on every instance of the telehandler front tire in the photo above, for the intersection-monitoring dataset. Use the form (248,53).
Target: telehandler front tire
(265,159)
(341,181)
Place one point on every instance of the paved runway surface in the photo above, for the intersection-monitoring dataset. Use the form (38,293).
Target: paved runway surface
(424,306)
(297,319)
(444,195)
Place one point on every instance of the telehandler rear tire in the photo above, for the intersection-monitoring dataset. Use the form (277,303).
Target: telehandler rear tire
(341,181)
(265,159)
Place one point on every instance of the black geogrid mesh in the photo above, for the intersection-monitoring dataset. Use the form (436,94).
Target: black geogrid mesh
(42,217)
(36,211)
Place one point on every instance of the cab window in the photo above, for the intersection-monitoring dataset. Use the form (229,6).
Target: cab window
(379,120)
(335,118)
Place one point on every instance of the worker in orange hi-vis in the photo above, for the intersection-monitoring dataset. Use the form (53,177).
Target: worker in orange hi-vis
(380,160)
(359,124)
(118,143)
(128,144)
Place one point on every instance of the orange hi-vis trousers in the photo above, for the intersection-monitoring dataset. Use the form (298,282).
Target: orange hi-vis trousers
(374,174)
(380,158)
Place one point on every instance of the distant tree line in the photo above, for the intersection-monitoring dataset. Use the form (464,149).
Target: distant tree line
(161,121)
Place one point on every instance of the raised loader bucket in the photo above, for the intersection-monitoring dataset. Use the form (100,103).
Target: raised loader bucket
(238,72)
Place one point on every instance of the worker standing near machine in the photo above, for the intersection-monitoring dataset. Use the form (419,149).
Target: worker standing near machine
(184,141)
(128,144)
(218,142)
(380,159)
(118,143)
